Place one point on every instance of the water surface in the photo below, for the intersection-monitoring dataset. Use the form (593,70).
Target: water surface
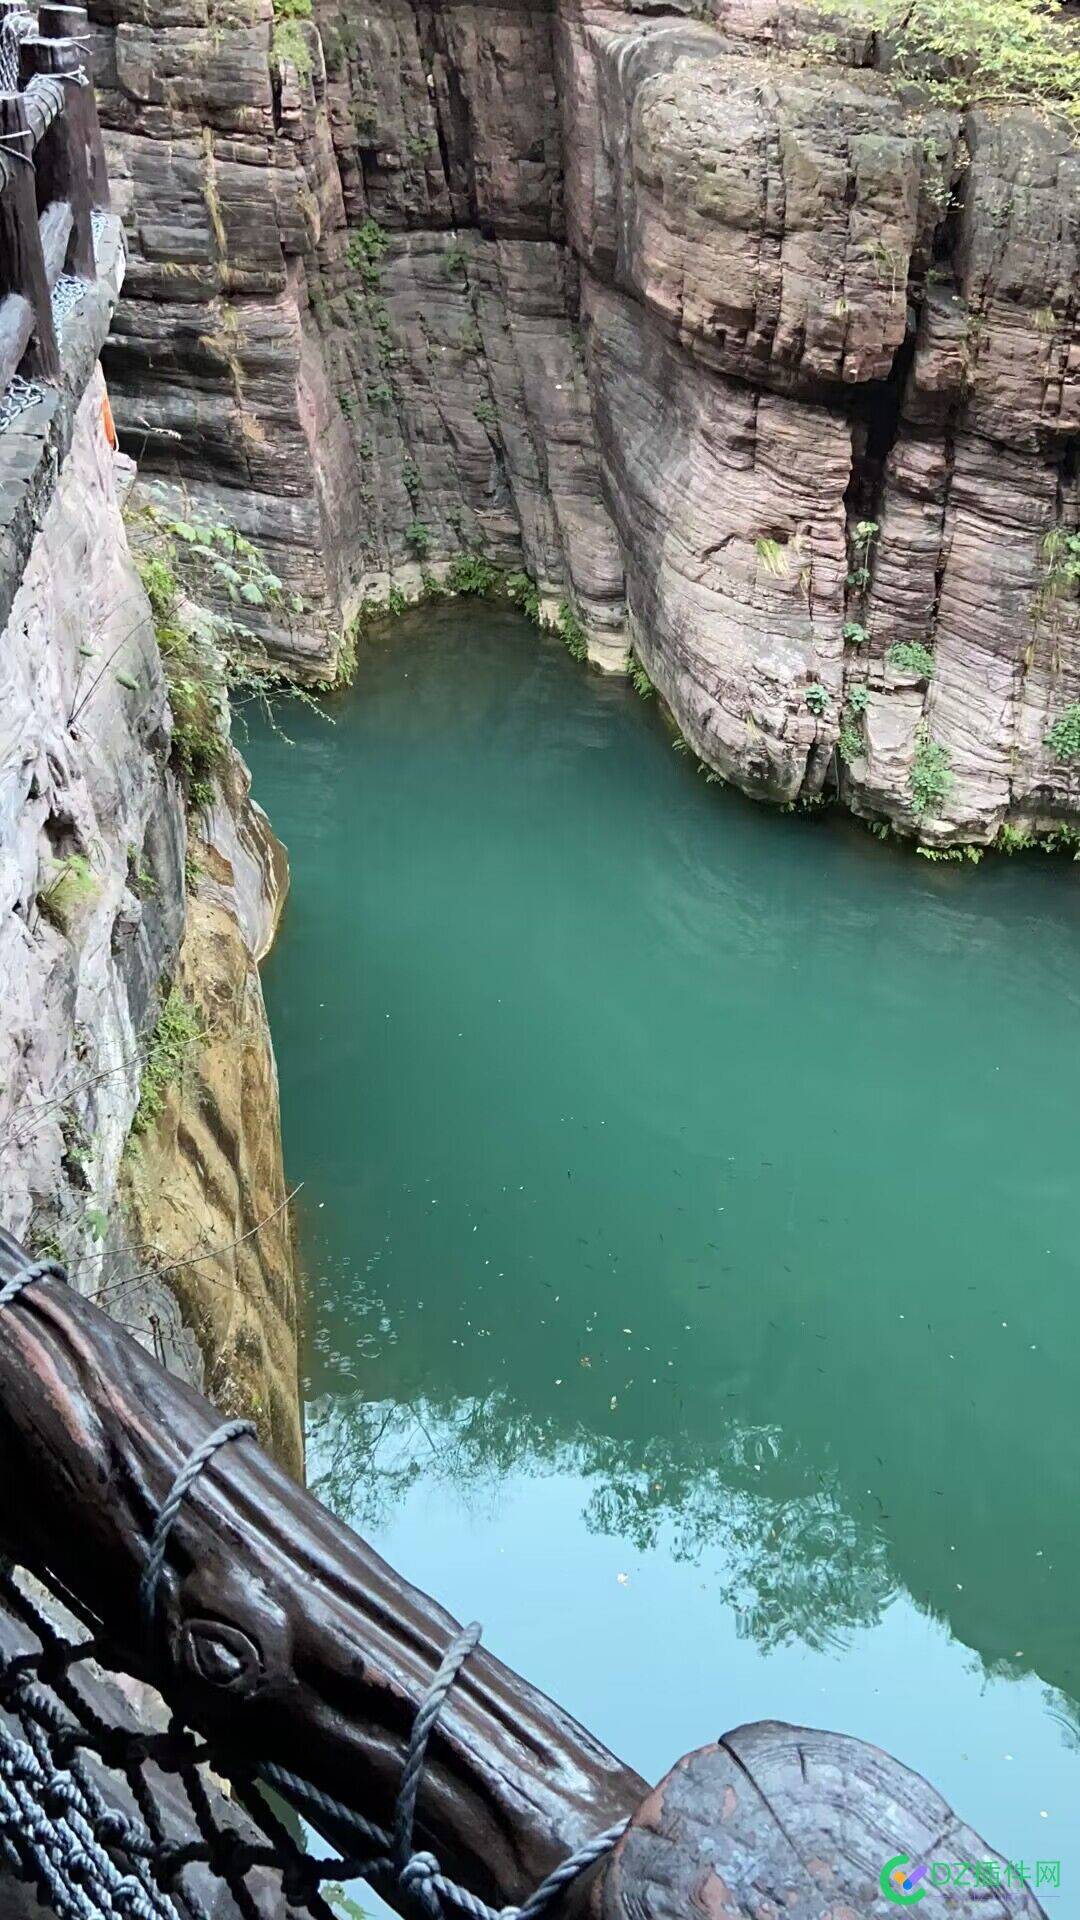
(690,1202)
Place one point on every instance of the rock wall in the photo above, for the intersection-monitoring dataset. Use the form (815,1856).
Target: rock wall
(205,1193)
(662,301)
(97,922)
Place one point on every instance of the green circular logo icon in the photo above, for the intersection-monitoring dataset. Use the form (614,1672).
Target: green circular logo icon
(900,1881)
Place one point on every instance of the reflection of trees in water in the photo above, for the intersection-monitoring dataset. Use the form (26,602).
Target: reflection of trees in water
(796,1565)
(367,1455)
(1066,1714)
(795,1569)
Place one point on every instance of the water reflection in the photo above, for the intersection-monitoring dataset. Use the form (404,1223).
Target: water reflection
(797,1568)
(720,1164)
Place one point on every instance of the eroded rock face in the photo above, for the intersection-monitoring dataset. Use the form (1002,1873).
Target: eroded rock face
(92,849)
(205,1190)
(97,924)
(661,301)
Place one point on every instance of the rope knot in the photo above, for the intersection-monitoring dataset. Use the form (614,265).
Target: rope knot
(112,1826)
(300,1880)
(60,1794)
(231,1855)
(130,1897)
(78,1864)
(417,1879)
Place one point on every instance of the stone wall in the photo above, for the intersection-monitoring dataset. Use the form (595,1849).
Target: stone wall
(659,301)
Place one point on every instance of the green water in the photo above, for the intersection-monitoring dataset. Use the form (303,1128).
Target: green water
(690,1203)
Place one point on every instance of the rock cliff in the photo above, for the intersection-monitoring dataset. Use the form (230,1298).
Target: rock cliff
(763,365)
(204,1196)
(100,927)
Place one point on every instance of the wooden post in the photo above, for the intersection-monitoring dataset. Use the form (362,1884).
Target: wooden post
(60,157)
(286,1638)
(61,23)
(22,262)
(70,23)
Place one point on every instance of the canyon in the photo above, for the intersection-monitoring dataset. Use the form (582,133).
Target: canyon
(693,331)
(694,328)
(759,364)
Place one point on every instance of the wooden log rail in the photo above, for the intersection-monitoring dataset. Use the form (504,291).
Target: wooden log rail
(52,177)
(284,1638)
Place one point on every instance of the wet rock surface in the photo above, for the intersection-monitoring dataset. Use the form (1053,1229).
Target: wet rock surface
(660,302)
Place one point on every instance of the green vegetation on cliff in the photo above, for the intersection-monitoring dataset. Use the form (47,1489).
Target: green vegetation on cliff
(193,673)
(850,743)
(70,885)
(366,246)
(209,656)
(177,1030)
(1063,738)
(290,42)
(962,51)
(471,574)
(640,680)
(931,779)
(911,656)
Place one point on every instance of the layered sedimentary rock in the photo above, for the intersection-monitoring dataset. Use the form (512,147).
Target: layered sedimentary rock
(99,925)
(664,302)
(92,858)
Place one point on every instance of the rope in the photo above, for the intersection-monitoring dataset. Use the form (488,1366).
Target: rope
(173,1501)
(418,1876)
(430,1708)
(95,1860)
(39,1270)
(9,52)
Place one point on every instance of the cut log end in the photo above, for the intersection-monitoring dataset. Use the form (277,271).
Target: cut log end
(785,1823)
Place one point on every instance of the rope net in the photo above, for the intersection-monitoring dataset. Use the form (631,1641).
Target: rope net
(107,1808)
(13,28)
(111,1805)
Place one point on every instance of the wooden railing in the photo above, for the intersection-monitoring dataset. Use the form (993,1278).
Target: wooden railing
(286,1640)
(52,178)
